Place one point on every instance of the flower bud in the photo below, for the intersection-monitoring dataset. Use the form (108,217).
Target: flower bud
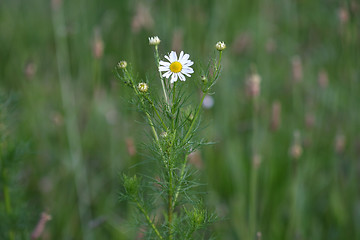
(220,46)
(131,185)
(143,87)
(163,134)
(122,64)
(204,79)
(154,41)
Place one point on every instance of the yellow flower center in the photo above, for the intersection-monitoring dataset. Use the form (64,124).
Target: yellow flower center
(175,67)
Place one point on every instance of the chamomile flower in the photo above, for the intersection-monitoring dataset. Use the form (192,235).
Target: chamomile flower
(176,67)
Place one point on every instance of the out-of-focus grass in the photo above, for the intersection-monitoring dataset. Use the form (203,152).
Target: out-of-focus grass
(313,197)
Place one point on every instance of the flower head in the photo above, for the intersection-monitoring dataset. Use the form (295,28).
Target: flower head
(176,67)
(154,41)
(122,64)
(220,46)
(143,87)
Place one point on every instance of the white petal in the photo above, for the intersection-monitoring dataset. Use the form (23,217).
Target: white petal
(187,74)
(185,57)
(174,78)
(182,77)
(167,74)
(187,70)
(173,57)
(188,63)
(167,57)
(181,55)
(166,64)
(163,69)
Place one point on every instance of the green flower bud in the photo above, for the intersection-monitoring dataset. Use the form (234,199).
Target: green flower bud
(122,64)
(143,87)
(220,46)
(131,185)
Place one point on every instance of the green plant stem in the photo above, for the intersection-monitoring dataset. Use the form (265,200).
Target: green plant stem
(146,113)
(72,130)
(170,202)
(183,167)
(157,113)
(152,225)
(161,78)
(182,173)
(170,168)
(254,175)
(218,67)
(6,192)
(252,202)
(194,120)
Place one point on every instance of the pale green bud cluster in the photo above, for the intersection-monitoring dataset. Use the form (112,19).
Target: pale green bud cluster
(143,87)
(154,41)
(122,64)
(131,185)
(220,46)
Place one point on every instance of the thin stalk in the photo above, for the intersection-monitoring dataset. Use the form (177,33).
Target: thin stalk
(194,120)
(173,103)
(170,202)
(218,66)
(146,113)
(185,159)
(254,176)
(6,192)
(72,130)
(156,112)
(181,179)
(152,225)
(157,57)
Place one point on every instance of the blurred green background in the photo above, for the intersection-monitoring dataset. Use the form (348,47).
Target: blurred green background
(298,142)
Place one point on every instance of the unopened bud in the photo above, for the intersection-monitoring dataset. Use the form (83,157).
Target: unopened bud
(154,41)
(163,134)
(122,64)
(204,79)
(143,87)
(220,46)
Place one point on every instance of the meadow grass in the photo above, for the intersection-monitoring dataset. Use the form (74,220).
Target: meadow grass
(285,163)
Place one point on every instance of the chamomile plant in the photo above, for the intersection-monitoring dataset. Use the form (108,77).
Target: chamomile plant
(168,204)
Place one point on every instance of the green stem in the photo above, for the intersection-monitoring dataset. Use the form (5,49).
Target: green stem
(152,225)
(194,120)
(161,78)
(146,113)
(170,202)
(254,176)
(6,192)
(218,67)
(173,106)
(156,112)
(182,173)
